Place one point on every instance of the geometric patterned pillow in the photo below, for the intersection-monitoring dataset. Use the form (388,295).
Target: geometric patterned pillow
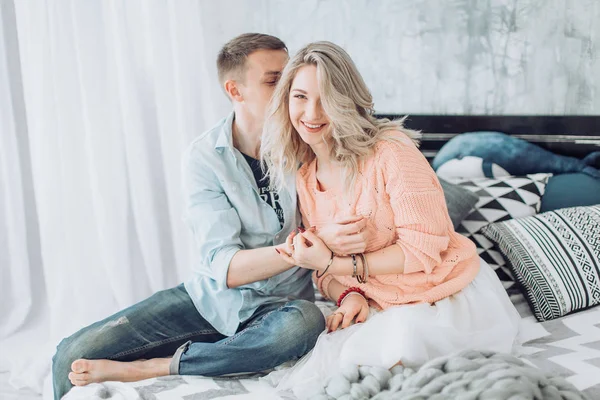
(500,199)
(555,256)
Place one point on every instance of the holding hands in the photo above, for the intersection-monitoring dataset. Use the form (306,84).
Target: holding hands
(305,249)
(312,249)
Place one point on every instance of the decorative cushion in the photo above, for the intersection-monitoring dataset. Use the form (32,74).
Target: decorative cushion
(555,256)
(459,201)
(500,199)
(469,167)
(570,190)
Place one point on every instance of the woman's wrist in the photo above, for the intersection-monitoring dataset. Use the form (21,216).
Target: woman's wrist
(325,286)
(345,266)
(348,291)
(350,294)
(342,265)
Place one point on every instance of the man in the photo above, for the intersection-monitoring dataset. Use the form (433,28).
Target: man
(244,309)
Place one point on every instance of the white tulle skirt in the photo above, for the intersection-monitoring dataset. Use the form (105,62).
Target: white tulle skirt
(480,317)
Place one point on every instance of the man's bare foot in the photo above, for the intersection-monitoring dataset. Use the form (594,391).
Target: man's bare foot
(90,371)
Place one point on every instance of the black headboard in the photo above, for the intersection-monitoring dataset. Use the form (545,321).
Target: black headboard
(574,136)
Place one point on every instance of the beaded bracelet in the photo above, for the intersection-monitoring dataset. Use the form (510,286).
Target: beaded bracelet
(349,290)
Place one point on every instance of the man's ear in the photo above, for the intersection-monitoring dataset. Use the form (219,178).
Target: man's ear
(231,88)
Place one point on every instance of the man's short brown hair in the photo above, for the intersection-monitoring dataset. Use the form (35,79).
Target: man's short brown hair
(232,57)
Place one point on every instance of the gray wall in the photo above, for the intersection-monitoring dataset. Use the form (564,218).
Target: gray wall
(446,57)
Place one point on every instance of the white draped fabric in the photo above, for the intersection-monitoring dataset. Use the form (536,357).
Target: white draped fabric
(98,99)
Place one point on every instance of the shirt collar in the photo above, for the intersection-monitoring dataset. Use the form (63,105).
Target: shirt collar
(226,135)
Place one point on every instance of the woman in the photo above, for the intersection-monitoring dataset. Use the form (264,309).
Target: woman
(419,290)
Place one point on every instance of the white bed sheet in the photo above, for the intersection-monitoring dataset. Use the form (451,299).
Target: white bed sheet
(7,392)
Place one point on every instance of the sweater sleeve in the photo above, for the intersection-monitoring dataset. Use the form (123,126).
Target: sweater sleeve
(420,214)
(322,284)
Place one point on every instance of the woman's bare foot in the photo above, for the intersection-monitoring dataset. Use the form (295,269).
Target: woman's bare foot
(90,371)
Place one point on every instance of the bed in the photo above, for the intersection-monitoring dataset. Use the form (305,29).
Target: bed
(568,346)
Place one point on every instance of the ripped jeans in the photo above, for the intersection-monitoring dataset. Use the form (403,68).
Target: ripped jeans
(167,324)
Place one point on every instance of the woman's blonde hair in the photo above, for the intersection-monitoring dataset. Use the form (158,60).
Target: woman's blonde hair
(348,104)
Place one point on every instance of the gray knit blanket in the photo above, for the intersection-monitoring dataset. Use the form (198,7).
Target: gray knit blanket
(467,375)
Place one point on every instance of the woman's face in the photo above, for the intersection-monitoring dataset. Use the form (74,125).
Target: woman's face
(306,112)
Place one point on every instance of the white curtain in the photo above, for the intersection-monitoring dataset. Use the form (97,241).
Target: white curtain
(98,99)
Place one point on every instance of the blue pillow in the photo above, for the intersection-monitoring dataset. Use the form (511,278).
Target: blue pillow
(570,190)
(517,156)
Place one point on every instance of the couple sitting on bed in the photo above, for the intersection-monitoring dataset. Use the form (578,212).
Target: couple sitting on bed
(377,239)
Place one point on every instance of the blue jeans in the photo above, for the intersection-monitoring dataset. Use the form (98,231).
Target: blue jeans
(167,324)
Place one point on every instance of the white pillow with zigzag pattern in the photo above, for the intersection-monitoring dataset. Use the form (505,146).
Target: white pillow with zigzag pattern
(500,199)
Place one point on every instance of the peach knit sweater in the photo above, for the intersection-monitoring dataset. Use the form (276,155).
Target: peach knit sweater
(401,197)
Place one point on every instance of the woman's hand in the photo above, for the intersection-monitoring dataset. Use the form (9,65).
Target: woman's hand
(354,308)
(345,236)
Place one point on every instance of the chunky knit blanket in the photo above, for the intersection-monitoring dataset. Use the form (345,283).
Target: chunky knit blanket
(467,375)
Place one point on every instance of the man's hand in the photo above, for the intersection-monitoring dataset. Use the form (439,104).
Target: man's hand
(354,308)
(345,236)
(285,250)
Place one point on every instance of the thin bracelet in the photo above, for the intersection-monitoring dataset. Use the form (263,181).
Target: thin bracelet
(351,293)
(354,274)
(365,275)
(366,271)
(349,290)
(358,276)
(328,265)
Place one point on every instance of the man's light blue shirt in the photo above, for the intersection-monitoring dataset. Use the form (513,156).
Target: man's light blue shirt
(226,214)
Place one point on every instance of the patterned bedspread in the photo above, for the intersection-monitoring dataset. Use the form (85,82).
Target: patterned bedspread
(569,347)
